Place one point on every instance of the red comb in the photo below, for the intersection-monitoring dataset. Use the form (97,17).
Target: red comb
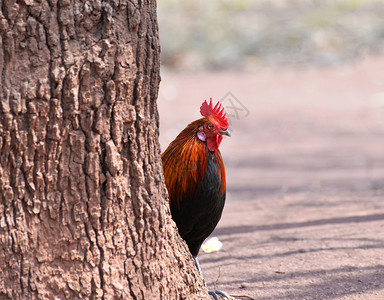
(217,112)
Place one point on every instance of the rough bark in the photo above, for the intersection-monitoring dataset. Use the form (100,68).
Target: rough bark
(83,210)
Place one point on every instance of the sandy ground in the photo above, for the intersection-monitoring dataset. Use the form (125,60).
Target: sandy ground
(304,217)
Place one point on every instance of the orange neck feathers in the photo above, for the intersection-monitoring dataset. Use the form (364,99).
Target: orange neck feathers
(185,163)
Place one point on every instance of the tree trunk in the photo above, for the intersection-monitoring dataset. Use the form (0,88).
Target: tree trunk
(83,205)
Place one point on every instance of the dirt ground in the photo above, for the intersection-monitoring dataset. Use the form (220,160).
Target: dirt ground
(304,217)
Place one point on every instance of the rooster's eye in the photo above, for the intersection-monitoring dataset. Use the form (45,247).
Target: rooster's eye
(210,126)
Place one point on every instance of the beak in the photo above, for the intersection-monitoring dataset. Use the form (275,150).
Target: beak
(225,132)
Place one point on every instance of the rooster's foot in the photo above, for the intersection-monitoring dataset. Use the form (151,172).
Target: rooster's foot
(215,293)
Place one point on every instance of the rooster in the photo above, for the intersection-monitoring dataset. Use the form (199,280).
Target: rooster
(195,178)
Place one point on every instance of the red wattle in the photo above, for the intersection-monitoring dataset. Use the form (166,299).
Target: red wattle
(213,143)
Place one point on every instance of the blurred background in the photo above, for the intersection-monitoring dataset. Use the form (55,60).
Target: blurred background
(302,83)
(242,34)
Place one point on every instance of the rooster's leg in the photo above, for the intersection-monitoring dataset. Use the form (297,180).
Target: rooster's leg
(213,293)
(196,259)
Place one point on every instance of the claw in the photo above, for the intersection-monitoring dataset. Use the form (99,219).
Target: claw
(213,294)
(224,295)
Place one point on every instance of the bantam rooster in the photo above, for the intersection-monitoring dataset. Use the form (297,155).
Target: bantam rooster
(195,178)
